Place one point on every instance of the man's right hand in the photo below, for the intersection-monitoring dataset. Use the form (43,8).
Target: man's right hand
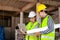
(22,31)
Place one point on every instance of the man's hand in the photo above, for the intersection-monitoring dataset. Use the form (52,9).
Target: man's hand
(37,34)
(23,32)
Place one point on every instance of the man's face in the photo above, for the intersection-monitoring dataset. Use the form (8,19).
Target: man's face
(41,14)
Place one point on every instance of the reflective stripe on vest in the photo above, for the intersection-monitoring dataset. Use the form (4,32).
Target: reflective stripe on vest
(44,24)
(47,37)
(31,26)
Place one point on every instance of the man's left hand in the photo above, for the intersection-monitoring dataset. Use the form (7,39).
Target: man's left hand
(37,34)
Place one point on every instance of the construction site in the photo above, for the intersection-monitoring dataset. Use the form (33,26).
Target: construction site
(14,12)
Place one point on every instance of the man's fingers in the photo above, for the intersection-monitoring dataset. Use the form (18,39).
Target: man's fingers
(37,34)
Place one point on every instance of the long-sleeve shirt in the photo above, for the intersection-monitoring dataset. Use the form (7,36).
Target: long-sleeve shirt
(50,26)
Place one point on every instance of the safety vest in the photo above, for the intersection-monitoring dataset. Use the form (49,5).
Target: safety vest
(48,36)
(31,26)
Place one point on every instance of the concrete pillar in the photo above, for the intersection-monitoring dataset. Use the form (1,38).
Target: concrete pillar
(21,20)
(21,17)
(13,27)
(22,25)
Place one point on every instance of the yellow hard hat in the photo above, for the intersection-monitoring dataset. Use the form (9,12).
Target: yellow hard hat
(40,7)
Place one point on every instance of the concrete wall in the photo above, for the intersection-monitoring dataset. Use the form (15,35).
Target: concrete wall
(55,16)
(7,33)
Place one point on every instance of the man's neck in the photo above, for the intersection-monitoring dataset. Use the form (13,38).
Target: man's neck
(44,16)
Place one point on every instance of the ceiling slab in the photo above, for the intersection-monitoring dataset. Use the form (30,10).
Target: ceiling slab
(28,6)
(52,3)
(8,8)
(29,0)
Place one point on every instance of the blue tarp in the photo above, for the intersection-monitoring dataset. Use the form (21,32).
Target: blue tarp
(2,33)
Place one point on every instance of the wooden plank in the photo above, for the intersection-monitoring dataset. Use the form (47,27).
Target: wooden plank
(19,4)
(51,8)
(28,6)
(28,0)
(5,15)
(12,2)
(49,2)
(8,8)
(4,2)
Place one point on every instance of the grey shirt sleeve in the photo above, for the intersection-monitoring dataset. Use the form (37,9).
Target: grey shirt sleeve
(50,26)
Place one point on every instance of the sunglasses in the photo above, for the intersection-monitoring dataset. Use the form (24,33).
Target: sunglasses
(41,11)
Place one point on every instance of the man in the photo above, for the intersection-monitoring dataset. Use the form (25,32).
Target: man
(46,20)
